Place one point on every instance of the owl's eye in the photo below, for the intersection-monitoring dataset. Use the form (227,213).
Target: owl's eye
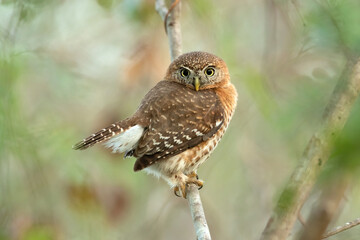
(210,71)
(184,72)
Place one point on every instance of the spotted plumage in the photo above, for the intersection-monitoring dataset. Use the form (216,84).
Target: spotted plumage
(178,123)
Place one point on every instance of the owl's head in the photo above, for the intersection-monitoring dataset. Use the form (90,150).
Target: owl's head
(198,70)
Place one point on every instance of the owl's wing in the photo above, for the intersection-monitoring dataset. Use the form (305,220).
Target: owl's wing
(181,118)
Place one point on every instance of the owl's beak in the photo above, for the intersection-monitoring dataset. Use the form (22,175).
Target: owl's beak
(197,83)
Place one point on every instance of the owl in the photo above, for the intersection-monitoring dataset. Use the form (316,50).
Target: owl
(178,123)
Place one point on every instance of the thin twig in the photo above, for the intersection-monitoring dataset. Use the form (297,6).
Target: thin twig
(171,18)
(315,156)
(340,229)
(174,3)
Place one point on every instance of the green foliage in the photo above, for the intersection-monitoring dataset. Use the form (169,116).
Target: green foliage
(203,9)
(346,154)
(257,86)
(107,4)
(10,72)
(28,8)
(39,233)
(139,11)
(332,24)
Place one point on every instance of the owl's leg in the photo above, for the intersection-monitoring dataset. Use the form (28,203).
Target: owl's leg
(193,174)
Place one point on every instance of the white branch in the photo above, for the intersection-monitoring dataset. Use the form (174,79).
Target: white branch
(172,25)
(171,18)
(161,8)
(197,213)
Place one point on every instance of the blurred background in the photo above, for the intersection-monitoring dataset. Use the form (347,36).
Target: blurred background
(69,68)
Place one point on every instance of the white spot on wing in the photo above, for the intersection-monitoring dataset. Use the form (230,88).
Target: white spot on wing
(197,132)
(163,137)
(155,142)
(187,137)
(126,140)
(177,141)
(168,145)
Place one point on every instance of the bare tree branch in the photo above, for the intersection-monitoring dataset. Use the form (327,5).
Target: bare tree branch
(340,229)
(315,155)
(171,18)
(161,8)
(197,213)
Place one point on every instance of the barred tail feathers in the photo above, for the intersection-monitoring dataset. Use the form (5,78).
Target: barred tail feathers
(111,133)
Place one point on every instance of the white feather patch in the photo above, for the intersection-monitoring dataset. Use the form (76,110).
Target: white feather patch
(126,140)
(153,170)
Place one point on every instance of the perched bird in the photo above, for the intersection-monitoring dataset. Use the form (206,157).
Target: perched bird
(178,123)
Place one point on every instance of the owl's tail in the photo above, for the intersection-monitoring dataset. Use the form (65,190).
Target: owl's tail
(121,136)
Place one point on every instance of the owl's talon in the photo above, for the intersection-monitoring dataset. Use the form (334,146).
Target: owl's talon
(181,190)
(176,190)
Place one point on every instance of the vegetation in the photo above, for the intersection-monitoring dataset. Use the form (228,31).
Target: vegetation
(68,68)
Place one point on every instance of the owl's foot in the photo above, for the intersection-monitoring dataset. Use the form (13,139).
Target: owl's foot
(192,178)
(197,182)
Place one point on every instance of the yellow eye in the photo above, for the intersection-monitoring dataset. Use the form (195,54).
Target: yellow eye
(184,72)
(210,71)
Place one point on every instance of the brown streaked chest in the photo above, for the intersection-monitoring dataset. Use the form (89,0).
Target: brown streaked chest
(199,154)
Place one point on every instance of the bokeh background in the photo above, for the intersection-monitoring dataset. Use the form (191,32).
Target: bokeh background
(69,68)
